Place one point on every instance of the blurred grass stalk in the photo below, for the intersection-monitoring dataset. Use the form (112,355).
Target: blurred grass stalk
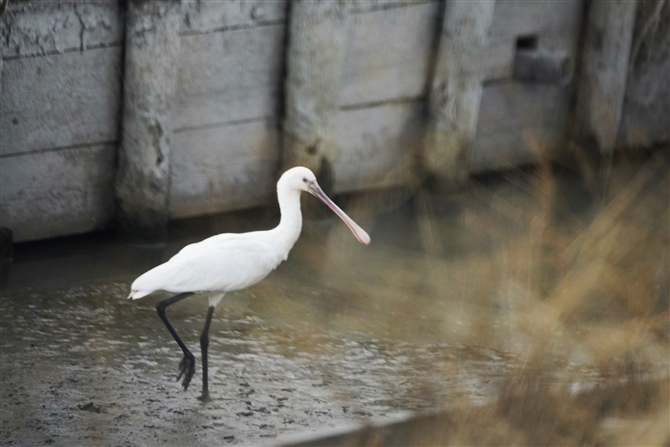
(569,293)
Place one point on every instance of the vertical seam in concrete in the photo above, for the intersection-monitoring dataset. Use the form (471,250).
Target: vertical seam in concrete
(314,68)
(150,76)
(604,71)
(456,88)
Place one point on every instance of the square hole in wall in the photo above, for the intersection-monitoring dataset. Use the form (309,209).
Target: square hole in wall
(528,42)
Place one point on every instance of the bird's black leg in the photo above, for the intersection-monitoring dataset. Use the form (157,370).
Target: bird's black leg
(204,344)
(187,364)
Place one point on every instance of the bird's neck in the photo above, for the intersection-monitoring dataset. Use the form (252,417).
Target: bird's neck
(290,224)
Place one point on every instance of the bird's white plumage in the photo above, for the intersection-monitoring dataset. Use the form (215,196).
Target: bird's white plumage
(228,262)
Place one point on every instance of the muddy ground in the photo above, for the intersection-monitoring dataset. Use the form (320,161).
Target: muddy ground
(430,315)
(83,366)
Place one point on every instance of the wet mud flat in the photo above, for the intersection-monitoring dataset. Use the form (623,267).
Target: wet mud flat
(524,282)
(83,366)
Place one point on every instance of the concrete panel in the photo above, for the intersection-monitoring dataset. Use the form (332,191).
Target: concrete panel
(645,117)
(229,76)
(524,122)
(149,86)
(604,69)
(209,16)
(388,54)
(390,49)
(556,24)
(317,42)
(519,18)
(36,28)
(358,6)
(60,100)
(519,123)
(456,89)
(645,114)
(223,168)
(57,193)
(377,146)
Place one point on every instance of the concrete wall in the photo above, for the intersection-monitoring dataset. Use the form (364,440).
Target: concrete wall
(645,118)
(226,121)
(521,121)
(59,116)
(62,77)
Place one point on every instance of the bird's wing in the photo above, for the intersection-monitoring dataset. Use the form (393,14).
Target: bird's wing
(210,241)
(226,264)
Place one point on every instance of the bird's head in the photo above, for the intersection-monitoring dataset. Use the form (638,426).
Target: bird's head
(302,179)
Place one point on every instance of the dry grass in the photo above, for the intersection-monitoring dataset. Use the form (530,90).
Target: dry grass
(565,291)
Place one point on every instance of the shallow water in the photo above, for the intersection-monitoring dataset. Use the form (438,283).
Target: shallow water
(69,348)
(338,334)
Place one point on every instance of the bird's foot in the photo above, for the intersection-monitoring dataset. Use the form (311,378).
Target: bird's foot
(204,397)
(186,369)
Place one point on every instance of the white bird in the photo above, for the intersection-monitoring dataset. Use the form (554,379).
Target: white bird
(229,261)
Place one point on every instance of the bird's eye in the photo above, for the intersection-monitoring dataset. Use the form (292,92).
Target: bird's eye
(304,180)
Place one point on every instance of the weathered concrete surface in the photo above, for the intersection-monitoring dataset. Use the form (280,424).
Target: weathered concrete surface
(378,146)
(49,194)
(456,89)
(59,116)
(60,100)
(62,80)
(604,71)
(314,66)
(645,114)
(207,17)
(519,123)
(356,6)
(229,76)
(543,66)
(525,120)
(389,54)
(38,28)
(150,75)
(224,168)
(556,25)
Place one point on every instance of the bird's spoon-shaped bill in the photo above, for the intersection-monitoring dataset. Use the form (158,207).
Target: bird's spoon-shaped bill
(359,233)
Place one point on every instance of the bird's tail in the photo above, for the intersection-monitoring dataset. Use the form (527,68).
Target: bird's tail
(137,294)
